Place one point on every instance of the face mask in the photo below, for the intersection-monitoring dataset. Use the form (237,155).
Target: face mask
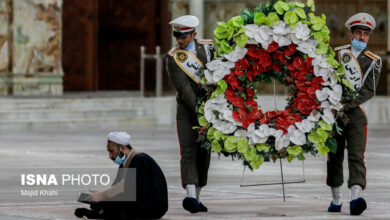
(120,160)
(359,45)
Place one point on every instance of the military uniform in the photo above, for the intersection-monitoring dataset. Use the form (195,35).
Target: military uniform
(354,134)
(195,160)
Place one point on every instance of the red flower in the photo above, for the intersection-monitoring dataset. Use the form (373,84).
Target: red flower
(277,67)
(240,115)
(317,81)
(246,122)
(265,60)
(255,114)
(284,60)
(282,124)
(235,83)
(241,66)
(290,50)
(273,46)
(298,63)
(304,108)
(250,93)
(251,103)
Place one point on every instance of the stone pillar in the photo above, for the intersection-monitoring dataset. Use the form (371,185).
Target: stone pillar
(34,36)
(197,9)
(386,72)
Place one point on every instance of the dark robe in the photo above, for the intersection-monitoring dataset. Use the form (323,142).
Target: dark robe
(152,193)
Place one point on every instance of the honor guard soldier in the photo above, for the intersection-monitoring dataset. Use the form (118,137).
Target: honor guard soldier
(183,64)
(362,69)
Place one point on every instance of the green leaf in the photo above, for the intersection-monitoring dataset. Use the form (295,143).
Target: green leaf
(322,134)
(230,144)
(262,147)
(331,143)
(255,164)
(215,146)
(201,108)
(219,135)
(333,62)
(322,149)
(241,40)
(272,18)
(299,4)
(294,150)
(280,7)
(322,48)
(210,134)
(290,158)
(341,70)
(202,121)
(238,21)
(348,84)
(291,18)
(243,145)
(310,4)
(221,32)
(314,137)
(301,13)
(226,48)
(325,126)
(331,53)
(260,18)
(301,157)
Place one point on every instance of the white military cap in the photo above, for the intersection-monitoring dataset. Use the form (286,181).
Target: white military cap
(184,24)
(362,20)
(122,138)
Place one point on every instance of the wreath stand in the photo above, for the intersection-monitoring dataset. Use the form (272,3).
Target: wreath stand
(282,182)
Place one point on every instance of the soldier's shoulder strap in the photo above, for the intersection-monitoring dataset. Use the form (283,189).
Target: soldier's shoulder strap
(372,56)
(173,51)
(205,41)
(342,47)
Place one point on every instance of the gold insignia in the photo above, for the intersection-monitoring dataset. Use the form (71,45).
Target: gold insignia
(372,55)
(346,58)
(205,41)
(181,57)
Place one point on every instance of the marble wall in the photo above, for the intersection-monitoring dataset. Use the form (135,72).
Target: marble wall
(30,47)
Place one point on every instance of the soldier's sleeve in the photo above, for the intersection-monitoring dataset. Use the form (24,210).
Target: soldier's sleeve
(367,91)
(182,83)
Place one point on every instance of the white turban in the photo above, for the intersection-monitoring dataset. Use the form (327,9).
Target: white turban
(122,138)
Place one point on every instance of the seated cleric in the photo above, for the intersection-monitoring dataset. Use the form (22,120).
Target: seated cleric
(151,187)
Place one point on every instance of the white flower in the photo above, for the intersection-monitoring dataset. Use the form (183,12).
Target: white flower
(282,142)
(314,117)
(279,27)
(209,115)
(335,94)
(282,40)
(302,31)
(294,39)
(278,133)
(221,69)
(252,30)
(272,131)
(298,137)
(308,47)
(322,72)
(224,126)
(228,115)
(261,135)
(336,106)
(220,99)
(209,77)
(241,133)
(322,94)
(305,126)
(237,54)
(325,105)
(328,116)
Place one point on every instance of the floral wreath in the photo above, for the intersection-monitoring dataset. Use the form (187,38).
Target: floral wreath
(285,42)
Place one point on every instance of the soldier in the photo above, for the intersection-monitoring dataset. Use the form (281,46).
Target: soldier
(362,69)
(183,63)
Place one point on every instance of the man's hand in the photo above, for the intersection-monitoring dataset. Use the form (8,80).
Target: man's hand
(96,196)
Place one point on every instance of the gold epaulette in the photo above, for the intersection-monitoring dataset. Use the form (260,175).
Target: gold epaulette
(372,55)
(173,51)
(342,47)
(205,41)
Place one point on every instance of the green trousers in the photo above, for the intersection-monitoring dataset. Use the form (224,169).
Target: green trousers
(195,160)
(353,138)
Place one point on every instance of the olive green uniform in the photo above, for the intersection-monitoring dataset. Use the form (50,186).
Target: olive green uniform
(354,135)
(194,162)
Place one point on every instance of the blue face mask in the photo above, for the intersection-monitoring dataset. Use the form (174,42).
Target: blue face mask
(189,45)
(120,160)
(359,45)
